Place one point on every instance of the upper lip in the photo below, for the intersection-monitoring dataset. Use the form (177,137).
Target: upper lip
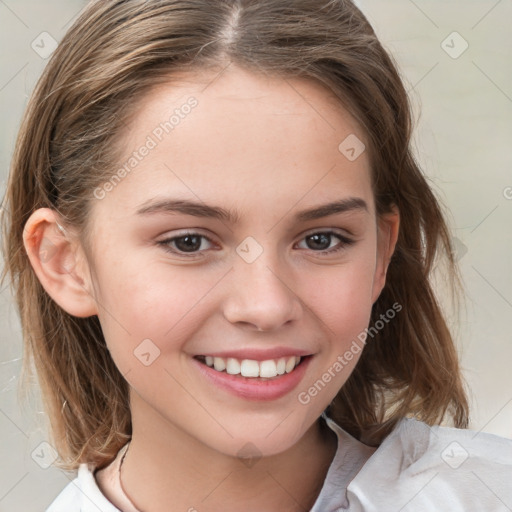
(258,354)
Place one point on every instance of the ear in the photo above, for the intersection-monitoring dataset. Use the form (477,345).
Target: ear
(59,263)
(387,235)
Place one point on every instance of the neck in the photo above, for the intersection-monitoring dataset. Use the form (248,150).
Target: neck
(165,465)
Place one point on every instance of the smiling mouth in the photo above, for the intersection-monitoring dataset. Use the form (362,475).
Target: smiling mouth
(268,369)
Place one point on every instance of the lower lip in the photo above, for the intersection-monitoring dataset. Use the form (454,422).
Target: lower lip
(253,388)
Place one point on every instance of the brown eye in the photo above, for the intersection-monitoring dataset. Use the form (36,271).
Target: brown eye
(325,242)
(319,242)
(188,244)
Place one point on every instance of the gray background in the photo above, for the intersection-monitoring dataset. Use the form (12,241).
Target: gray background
(463,142)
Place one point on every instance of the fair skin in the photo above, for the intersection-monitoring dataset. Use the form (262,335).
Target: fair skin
(266,149)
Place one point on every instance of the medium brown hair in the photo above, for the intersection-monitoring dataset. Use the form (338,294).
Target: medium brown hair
(109,59)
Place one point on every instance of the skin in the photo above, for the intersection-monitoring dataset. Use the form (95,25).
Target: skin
(267,149)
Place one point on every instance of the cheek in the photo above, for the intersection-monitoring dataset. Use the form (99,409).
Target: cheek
(342,296)
(155,302)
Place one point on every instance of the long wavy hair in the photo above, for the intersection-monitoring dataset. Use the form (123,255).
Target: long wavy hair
(115,52)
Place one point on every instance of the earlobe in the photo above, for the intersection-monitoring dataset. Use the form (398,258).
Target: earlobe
(55,258)
(387,236)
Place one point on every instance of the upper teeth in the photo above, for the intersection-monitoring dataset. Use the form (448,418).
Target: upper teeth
(251,368)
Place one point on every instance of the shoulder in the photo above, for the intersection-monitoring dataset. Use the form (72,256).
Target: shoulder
(82,495)
(446,448)
(420,468)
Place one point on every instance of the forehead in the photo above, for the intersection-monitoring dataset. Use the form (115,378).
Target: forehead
(249,90)
(235,135)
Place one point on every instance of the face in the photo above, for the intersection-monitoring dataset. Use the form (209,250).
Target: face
(237,257)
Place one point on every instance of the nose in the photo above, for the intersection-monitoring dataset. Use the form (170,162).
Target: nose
(260,297)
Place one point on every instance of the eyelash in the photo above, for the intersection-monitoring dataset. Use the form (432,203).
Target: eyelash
(344,243)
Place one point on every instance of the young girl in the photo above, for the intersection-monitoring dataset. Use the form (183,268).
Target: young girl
(221,248)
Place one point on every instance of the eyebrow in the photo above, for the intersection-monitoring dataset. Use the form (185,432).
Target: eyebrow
(198,209)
